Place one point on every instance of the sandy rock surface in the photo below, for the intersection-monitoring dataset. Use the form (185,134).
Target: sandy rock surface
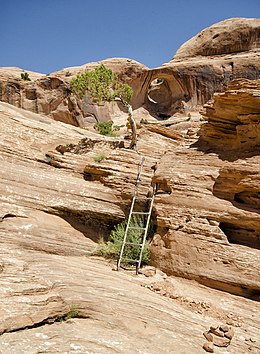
(56,201)
(62,188)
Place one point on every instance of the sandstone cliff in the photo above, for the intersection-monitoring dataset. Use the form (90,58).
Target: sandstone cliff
(56,201)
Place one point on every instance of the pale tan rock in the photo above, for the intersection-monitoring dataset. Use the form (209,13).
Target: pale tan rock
(230,333)
(222,188)
(233,117)
(229,36)
(49,95)
(221,341)
(208,335)
(216,331)
(52,215)
(208,347)
(224,328)
(148,271)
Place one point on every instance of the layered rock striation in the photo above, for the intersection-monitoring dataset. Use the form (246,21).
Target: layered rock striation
(45,94)
(57,200)
(208,222)
(233,117)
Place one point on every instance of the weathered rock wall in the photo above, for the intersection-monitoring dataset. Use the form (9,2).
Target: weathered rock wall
(203,232)
(209,224)
(234,117)
(49,95)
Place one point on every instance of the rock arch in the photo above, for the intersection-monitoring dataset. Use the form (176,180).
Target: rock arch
(165,96)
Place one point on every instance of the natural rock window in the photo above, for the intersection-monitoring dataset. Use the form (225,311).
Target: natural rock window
(165,97)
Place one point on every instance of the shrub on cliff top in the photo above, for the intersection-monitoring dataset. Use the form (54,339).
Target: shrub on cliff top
(102,85)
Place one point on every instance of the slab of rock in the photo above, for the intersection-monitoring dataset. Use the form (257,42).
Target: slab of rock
(216,330)
(224,328)
(208,347)
(208,335)
(221,341)
(208,222)
(230,333)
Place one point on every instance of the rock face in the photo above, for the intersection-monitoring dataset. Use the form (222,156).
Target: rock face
(43,94)
(230,36)
(56,201)
(234,116)
(210,222)
(208,62)
(202,66)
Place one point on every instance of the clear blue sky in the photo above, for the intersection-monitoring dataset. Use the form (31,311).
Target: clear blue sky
(48,35)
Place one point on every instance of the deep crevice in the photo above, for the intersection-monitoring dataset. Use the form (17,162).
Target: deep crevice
(50,320)
(241,236)
(248,198)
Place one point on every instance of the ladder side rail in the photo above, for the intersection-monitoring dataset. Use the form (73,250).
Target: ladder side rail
(142,159)
(146,231)
(126,232)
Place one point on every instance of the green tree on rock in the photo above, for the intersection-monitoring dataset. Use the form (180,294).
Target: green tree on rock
(103,85)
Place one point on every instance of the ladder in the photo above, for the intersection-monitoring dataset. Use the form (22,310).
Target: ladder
(126,243)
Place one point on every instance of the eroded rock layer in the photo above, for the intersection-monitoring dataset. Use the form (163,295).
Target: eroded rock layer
(234,117)
(57,199)
(42,94)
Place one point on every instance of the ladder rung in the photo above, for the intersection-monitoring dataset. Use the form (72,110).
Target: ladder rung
(140,213)
(129,260)
(147,198)
(136,228)
(133,243)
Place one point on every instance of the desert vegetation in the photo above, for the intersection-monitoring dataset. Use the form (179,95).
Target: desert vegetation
(112,247)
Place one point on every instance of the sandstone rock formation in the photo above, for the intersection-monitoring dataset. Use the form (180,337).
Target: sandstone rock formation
(229,36)
(233,117)
(43,94)
(202,66)
(225,207)
(56,201)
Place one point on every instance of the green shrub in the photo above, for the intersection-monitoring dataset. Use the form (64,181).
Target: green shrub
(106,128)
(144,121)
(102,85)
(73,312)
(112,247)
(100,156)
(25,76)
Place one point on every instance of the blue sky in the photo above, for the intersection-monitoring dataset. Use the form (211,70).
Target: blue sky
(48,35)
